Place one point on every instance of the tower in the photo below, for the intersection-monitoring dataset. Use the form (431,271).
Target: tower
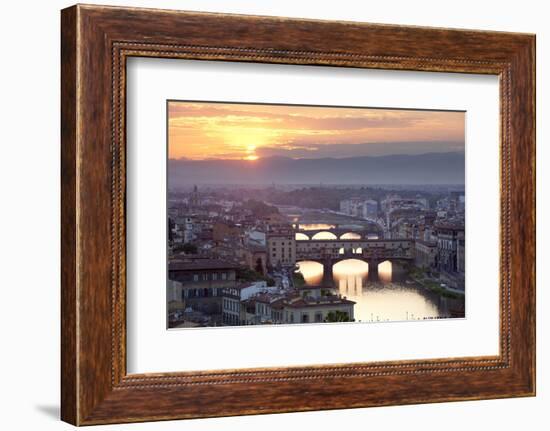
(194,201)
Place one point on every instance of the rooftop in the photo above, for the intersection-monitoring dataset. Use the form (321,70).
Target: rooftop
(426,243)
(313,287)
(325,301)
(297,301)
(449,225)
(200,264)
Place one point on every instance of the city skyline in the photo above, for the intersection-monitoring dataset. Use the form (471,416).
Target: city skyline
(228,131)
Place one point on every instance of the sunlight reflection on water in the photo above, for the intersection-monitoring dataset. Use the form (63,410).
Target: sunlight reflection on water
(389,298)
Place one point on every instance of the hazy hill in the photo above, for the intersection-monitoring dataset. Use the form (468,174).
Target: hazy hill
(430,168)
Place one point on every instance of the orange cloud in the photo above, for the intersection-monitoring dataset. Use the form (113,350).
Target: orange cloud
(247,131)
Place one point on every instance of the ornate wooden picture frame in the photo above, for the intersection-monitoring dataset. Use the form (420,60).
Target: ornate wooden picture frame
(96,41)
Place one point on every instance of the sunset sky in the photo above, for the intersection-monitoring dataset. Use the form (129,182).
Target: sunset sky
(243,131)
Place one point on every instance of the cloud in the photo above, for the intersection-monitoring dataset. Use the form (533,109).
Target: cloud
(223,130)
(290,117)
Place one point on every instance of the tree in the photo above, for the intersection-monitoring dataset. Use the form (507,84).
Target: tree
(260,209)
(246,274)
(337,316)
(298,279)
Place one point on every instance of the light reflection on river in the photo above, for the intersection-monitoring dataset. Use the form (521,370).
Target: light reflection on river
(389,298)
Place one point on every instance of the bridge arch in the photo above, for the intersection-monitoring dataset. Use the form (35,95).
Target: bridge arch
(301,236)
(350,273)
(326,235)
(385,270)
(350,235)
(352,265)
(311,271)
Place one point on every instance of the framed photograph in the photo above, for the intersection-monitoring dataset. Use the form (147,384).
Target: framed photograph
(266,215)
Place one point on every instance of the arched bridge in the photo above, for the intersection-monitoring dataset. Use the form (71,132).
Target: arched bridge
(330,252)
(336,233)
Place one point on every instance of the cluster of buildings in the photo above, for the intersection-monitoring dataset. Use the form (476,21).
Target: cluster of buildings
(199,226)
(231,266)
(207,292)
(437,229)
(358,207)
(233,263)
(438,232)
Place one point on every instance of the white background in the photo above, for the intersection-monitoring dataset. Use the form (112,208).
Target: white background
(29,217)
(151,348)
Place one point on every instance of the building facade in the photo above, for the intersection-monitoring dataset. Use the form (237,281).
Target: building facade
(199,283)
(281,248)
(359,207)
(306,310)
(425,255)
(448,234)
(370,209)
(295,308)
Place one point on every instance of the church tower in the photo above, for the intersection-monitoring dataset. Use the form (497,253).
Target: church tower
(194,201)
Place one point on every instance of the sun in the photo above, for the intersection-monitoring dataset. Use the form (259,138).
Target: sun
(250,153)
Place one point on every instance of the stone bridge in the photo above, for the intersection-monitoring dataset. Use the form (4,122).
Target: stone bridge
(374,252)
(335,233)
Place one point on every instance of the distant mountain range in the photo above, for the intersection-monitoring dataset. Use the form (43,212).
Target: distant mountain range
(429,168)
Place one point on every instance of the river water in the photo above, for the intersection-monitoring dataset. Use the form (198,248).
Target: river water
(392,297)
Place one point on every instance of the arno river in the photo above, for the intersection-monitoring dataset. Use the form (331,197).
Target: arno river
(391,298)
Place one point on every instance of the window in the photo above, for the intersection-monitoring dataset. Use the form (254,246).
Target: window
(305,318)
(318,317)
(195,277)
